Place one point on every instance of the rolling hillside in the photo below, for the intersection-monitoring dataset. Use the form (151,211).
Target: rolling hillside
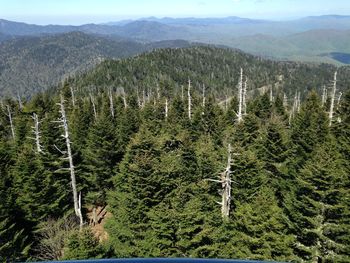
(31,64)
(306,39)
(216,68)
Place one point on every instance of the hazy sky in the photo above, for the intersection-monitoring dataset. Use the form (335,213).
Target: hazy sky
(87,11)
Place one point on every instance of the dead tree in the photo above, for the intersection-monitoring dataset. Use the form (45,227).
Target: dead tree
(138,98)
(20,101)
(166,108)
(225,181)
(93,106)
(244,102)
(271,95)
(9,115)
(298,102)
(324,95)
(143,98)
(158,92)
(124,99)
(37,133)
(285,100)
(111,104)
(189,99)
(240,97)
(331,110)
(339,98)
(64,124)
(226,186)
(203,99)
(72,95)
(294,108)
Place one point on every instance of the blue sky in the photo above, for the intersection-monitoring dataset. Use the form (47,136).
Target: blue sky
(88,11)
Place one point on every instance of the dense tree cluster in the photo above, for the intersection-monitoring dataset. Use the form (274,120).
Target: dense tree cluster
(149,176)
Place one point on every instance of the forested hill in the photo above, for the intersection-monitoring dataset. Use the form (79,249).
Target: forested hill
(215,68)
(33,64)
(92,170)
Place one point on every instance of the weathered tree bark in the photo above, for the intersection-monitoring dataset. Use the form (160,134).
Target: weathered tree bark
(339,98)
(244,97)
(158,92)
(271,95)
(76,199)
(111,106)
(240,98)
(11,122)
(203,99)
(331,110)
(72,95)
(225,181)
(143,98)
(285,100)
(189,100)
(124,99)
(294,108)
(93,106)
(20,101)
(166,108)
(226,187)
(138,98)
(36,132)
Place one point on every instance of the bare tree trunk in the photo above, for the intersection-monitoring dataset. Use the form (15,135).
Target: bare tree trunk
(76,199)
(11,122)
(93,106)
(124,99)
(225,181)
(324,95)
(271,95)
(143,98)
(285,100)
(226,103)
(20,101)
(244,97)
(166,108)
(339,98)
(37,135)
(189,99)
(240,97)
(331,110)
(203,99)
(111,102)
(294,108)
(158,92)
(72,94)
(226,186)
(298,102)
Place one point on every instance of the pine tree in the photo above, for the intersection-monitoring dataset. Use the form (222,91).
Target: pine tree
(261,230)
(321,206)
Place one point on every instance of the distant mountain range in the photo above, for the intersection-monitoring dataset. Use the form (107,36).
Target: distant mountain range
(34,57)
(31,64)
(305,39)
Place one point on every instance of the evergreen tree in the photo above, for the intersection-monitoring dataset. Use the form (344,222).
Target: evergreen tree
(321,206)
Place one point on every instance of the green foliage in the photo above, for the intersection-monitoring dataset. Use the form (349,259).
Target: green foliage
(155,180)
(82,245)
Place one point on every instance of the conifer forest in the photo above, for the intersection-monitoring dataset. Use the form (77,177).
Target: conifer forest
(197,152)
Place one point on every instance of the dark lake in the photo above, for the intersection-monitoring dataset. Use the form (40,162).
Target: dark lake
(341,57)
